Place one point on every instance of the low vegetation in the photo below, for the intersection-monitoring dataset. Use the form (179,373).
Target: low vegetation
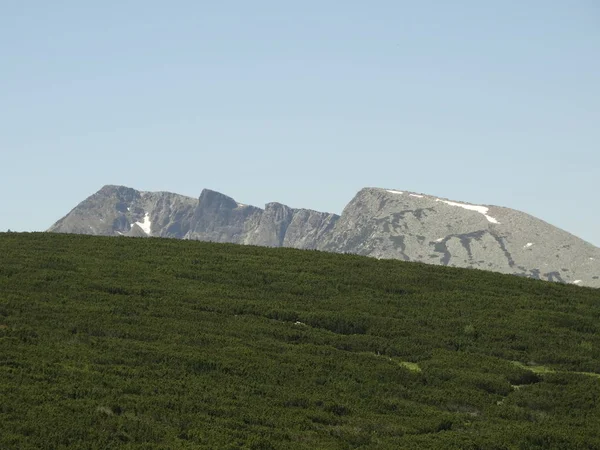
(158,343)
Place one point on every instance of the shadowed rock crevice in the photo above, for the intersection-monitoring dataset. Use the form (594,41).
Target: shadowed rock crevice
(502,245)
(440,247)
(399,243)
(554,276)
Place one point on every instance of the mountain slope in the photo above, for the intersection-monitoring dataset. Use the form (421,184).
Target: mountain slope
(164,343)
(416,227)
(381,223)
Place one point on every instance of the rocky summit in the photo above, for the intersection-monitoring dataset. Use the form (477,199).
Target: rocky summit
(382,223)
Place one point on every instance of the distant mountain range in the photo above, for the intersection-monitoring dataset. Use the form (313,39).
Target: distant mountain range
(381,223)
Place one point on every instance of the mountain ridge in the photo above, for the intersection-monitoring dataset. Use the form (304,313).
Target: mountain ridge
(377,222)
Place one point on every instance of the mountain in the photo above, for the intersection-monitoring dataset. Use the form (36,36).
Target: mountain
(118,210)
(415,227)
(381,223)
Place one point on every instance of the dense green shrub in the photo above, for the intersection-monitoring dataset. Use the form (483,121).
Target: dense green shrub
(152,343)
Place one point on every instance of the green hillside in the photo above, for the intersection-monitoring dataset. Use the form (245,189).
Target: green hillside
(157,343)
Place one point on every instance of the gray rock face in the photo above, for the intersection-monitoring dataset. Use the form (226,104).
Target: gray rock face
(378,222)
(309,228)
(416,227)
(219,218)
(118,210)
(122,211)
(272,227)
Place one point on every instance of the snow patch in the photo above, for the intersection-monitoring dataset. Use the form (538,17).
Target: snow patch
(439,240)
(592,259)
(241,205)
(128,208)
(576,281)
(392,191)
(146,225)
(480,209)
(416,195)
(529,244)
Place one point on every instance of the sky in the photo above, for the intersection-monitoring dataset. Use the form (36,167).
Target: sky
(303,103)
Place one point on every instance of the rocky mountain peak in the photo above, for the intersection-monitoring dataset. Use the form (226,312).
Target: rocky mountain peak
(214,200)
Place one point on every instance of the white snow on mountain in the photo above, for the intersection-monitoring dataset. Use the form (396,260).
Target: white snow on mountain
(146,225)
(480,209)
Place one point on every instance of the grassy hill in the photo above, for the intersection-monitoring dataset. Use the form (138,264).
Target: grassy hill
(156,343)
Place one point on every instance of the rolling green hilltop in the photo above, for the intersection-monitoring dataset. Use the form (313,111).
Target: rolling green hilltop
(162,344)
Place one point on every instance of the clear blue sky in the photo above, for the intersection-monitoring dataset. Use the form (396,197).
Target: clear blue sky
(302,102)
